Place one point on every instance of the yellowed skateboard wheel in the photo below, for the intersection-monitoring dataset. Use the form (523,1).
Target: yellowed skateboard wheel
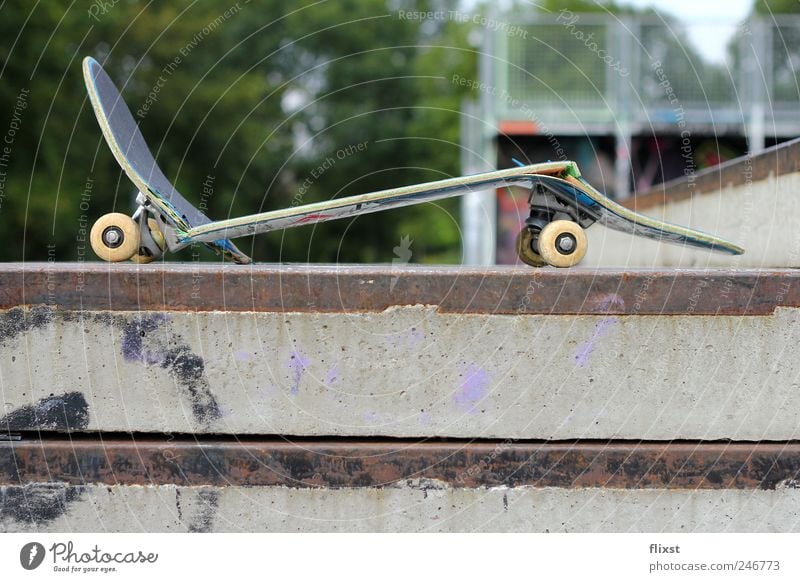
(158,237)
(525,250)
(115,237)
(562,243)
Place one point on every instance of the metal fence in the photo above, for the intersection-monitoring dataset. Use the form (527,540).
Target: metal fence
(581,70)
(626,77)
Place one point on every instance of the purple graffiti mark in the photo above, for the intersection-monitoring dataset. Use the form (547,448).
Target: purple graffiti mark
(371,417)
(406,339)
(585,350)
(425,419)
(607,303)
(415,336)
(242,356)
(133,340)
(332,377)
(610,303)
(472,389)
(226,411)
(168,350)
(297,365)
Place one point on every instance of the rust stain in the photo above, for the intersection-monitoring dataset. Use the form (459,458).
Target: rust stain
(331,289)
(382,464)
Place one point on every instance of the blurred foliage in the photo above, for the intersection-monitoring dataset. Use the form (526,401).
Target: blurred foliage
(256,95)
(776,7)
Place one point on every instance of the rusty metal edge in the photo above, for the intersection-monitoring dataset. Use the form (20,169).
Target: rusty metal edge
(450,289)
(778,160)
(385,464)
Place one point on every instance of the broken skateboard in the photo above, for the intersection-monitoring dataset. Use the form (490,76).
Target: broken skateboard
(562,204)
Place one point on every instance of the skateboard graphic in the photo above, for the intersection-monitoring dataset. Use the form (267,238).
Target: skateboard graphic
(562,204)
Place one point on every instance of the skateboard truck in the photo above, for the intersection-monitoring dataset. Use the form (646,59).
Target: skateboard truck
(119,237)
(153,237)
(553,233)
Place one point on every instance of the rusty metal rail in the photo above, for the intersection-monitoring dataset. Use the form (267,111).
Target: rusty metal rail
(318,288)
(338,464)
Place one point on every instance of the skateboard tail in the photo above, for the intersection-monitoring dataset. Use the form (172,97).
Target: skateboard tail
(132,153)
(229,251)
(625,220)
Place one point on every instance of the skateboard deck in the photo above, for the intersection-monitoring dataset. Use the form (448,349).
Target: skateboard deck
(188,225)
(562,177)
(122,134)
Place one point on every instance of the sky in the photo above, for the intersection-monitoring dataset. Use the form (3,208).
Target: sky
(711,22)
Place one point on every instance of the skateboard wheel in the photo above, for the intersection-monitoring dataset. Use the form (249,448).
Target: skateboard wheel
(562,243)
(143,258)
(115,237)
(525,250)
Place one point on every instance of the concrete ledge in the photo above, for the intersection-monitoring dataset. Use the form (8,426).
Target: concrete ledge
(419,506)
(776,161)
(749,201)
(503,359)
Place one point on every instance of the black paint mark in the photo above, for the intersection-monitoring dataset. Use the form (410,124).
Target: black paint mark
(178,503)
(62,412)
(37,503)
(189,370)
(203,521)
(20,320)
(505,501)
(146,340)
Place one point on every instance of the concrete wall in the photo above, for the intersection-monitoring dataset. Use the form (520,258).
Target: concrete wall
(506,360)
(410,372)
(408,507)
(762,216)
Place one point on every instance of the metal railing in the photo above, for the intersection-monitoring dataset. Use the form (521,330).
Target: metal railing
(563,74)
(581,71)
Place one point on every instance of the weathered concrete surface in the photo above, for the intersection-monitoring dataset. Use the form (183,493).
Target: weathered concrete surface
(347,353)
(761,216)
(406,372)
(417,506)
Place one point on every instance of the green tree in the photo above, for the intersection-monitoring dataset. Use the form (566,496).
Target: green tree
(230,91)
(378,78)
